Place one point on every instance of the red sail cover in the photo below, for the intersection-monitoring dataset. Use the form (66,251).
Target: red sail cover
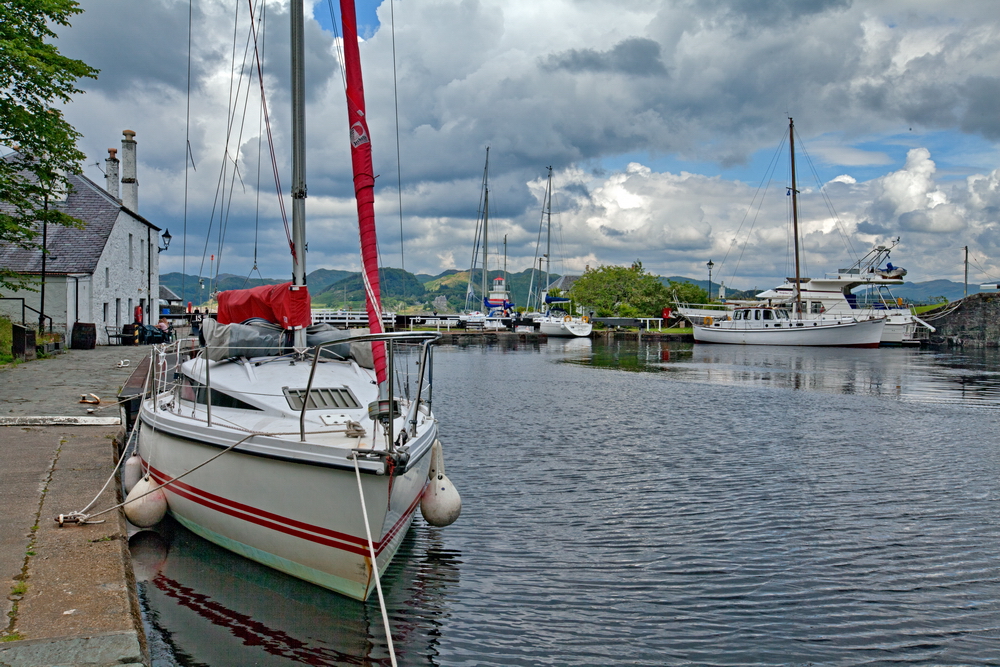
(364,179)
(275,303)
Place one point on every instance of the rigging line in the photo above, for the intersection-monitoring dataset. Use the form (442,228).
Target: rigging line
(187,152)
(220,184)
(270,138)
(761,191)
(538,243)
(828,201)
(399,172)
(224,223)
(260,151)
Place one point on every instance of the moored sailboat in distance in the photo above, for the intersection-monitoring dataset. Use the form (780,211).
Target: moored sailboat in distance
(760,325)
(294,445)
(554,320)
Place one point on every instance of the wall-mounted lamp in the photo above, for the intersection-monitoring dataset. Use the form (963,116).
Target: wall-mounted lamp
(166,240)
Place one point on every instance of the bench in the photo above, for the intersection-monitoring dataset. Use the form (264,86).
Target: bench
(116,337)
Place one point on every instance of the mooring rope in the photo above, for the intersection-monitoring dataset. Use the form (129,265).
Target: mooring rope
(371,550)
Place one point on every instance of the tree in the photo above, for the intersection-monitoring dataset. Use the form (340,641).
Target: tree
(687,292)
(34,78)
(621,291)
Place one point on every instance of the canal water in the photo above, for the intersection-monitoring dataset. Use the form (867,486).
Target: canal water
(655,504)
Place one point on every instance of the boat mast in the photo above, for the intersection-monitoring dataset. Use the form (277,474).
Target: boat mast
(298,145)
(795,222)
(548,235)
(486,244)
(298,157)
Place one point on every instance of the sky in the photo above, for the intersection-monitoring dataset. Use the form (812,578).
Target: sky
(665,124)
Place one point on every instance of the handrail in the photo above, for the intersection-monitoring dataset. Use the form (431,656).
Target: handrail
(428,336)
(25,306)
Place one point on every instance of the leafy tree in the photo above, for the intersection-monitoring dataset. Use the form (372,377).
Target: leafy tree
(621,291)
(687,292)
(34,78)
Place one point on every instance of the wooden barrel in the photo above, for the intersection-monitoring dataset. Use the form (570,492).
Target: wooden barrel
(84,336)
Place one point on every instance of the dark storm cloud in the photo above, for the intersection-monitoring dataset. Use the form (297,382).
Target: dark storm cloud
(636,56)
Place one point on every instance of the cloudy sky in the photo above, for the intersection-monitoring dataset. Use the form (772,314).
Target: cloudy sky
(661,121)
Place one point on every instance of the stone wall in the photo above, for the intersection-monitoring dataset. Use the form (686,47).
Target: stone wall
(971,322)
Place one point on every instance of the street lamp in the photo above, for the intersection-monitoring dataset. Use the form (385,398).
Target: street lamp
(166,241)
(710,264)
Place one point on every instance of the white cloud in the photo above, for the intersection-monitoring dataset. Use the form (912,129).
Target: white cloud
(568,84)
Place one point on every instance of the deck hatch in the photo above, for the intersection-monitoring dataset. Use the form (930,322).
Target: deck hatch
(321,398)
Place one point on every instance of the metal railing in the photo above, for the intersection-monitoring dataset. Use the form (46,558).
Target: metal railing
(25,307)
(169,357)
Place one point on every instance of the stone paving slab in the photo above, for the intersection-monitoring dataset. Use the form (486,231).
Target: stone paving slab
(53,386)
(79,606)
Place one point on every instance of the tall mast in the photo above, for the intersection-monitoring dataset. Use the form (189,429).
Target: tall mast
(486,241)
(548,233)
(298,145)
(795,221)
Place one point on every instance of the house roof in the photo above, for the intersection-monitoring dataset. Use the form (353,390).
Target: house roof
(72,249)
(167,294)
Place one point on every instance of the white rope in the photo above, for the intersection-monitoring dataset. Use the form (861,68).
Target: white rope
(371,550)
(83,518)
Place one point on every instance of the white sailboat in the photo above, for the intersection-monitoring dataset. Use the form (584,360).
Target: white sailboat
(296,446)
(554,321)
(760,325)
(834,296)
(492,307)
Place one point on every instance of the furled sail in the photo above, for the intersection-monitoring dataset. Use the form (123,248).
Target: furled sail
(364,180)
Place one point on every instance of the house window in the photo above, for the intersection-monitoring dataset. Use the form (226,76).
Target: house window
(130,254)
(105,318)
(107,283)
(130,309)
(118,312)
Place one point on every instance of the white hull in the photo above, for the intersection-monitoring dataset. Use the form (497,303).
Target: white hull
(867,333)
(557,326)
(301,519)
(290,504)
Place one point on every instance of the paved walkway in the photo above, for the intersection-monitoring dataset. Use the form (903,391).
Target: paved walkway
(69,595)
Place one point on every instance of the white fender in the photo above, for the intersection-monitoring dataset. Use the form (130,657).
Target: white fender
(441,504)
(148,510)
(132,472)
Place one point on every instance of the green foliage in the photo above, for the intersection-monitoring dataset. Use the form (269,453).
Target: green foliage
(6,340)
(618,291)
(687,292)
(34,77)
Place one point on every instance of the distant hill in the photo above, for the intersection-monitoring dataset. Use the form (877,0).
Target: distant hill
(318,281)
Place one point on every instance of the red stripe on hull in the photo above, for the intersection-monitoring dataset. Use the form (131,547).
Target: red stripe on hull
(282,524)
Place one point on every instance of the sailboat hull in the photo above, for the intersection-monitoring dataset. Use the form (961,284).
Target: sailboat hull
(555,326)
(866,333)
(297,517)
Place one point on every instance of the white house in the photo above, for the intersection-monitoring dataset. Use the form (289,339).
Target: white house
(98,274)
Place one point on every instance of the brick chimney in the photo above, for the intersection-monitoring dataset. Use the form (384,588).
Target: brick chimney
(111,173)
(130,185)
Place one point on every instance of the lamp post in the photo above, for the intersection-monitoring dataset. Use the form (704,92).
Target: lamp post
(710,264)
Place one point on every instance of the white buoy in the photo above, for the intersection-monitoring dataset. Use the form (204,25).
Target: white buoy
(441,504)
(148,510)
(132,472)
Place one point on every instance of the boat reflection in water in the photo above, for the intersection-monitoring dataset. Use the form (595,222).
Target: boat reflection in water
(203,605)
(933,376)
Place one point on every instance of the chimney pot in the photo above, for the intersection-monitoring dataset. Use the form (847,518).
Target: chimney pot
(130,184)
(111,173)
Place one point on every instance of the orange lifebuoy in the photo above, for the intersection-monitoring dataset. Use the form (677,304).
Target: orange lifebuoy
(584,319)
(568,318)
(709,321)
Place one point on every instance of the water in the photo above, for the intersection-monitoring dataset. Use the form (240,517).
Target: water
(656,504)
